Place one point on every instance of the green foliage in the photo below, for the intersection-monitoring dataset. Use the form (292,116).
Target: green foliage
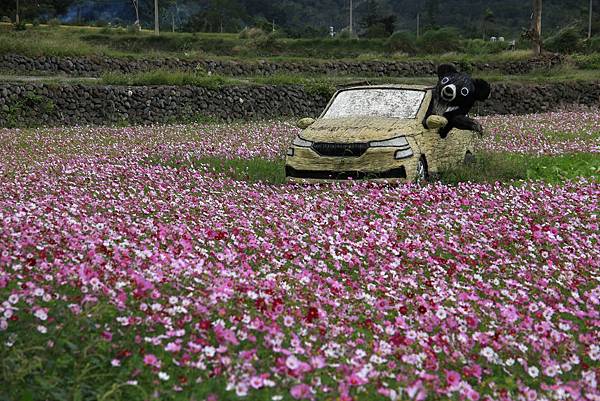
(22,106)
(567,40)
(252,33)
(488,167)
(53,22)
(588,61)
(20,26)
(492,167)
(483,47)
(402,41)
(253,170)
(133,29)
(72,362)
(164,77)
(439,41)
(592,45)
(5,19)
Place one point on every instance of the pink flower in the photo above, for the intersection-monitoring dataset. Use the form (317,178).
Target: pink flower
(256,382)
(301,392)
(151,360)
(452,379)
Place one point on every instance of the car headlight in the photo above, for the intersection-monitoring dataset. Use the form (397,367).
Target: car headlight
(403,154)
(397,142)
(302,143)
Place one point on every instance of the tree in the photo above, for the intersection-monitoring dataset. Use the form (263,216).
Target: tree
(488,20)
(536,29)
(374,23)
(218,16)
(432,10)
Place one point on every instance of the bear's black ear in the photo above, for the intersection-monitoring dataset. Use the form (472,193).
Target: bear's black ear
(446,69)
(482,89)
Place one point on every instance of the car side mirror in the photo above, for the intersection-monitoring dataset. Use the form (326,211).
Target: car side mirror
(436,122)
(305,122)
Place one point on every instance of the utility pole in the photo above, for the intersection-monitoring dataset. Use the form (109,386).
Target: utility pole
(17,19)
(590,25)
(156,29)
(136,5)
(351,18)
(418,24)
(537,27)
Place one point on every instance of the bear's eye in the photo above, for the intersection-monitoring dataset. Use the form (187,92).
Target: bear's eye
(445,80)
(464,91)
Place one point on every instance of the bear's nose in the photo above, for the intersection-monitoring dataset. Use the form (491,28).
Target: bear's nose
(449,92)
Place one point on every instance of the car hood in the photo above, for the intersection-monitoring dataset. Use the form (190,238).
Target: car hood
(346,130)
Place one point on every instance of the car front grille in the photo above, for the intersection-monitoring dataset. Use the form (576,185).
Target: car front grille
(399,172)
(340,149)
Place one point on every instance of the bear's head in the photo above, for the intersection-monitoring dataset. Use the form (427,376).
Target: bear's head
(458,90)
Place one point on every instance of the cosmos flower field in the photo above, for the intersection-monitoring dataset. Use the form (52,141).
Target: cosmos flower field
(137,278)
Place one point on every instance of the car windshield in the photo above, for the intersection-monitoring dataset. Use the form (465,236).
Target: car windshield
(379,102)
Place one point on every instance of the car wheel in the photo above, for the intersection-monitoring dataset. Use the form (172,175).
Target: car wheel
(469,158)
(422,173)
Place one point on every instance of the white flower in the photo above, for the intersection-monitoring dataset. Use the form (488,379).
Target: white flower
(441,313)
(510,362)
(115,362)
(487,353)
(210,351)
(551,371)
(594,352)
(41,314)
(533,371)
(42,329)
(241,390)
(277,398)
(163,376)
(13,298)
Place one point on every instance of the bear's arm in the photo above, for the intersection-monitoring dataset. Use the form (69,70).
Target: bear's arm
(466,123)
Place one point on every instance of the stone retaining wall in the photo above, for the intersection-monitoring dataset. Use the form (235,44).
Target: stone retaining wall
(55,105)
(94,66)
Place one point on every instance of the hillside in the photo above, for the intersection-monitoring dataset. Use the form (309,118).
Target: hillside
(313,17)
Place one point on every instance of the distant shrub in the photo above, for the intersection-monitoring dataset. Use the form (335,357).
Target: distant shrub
(588,61)
(345,34)
(278,34)
(567,40)
(367,56)
(592,45)
(20,26)
(267,43)
(6,19)
(403,42)
(252,33)
(377,30)
(482,47)
(35,22)
(133,28)
(439,41)
(54,22)
(101,24)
